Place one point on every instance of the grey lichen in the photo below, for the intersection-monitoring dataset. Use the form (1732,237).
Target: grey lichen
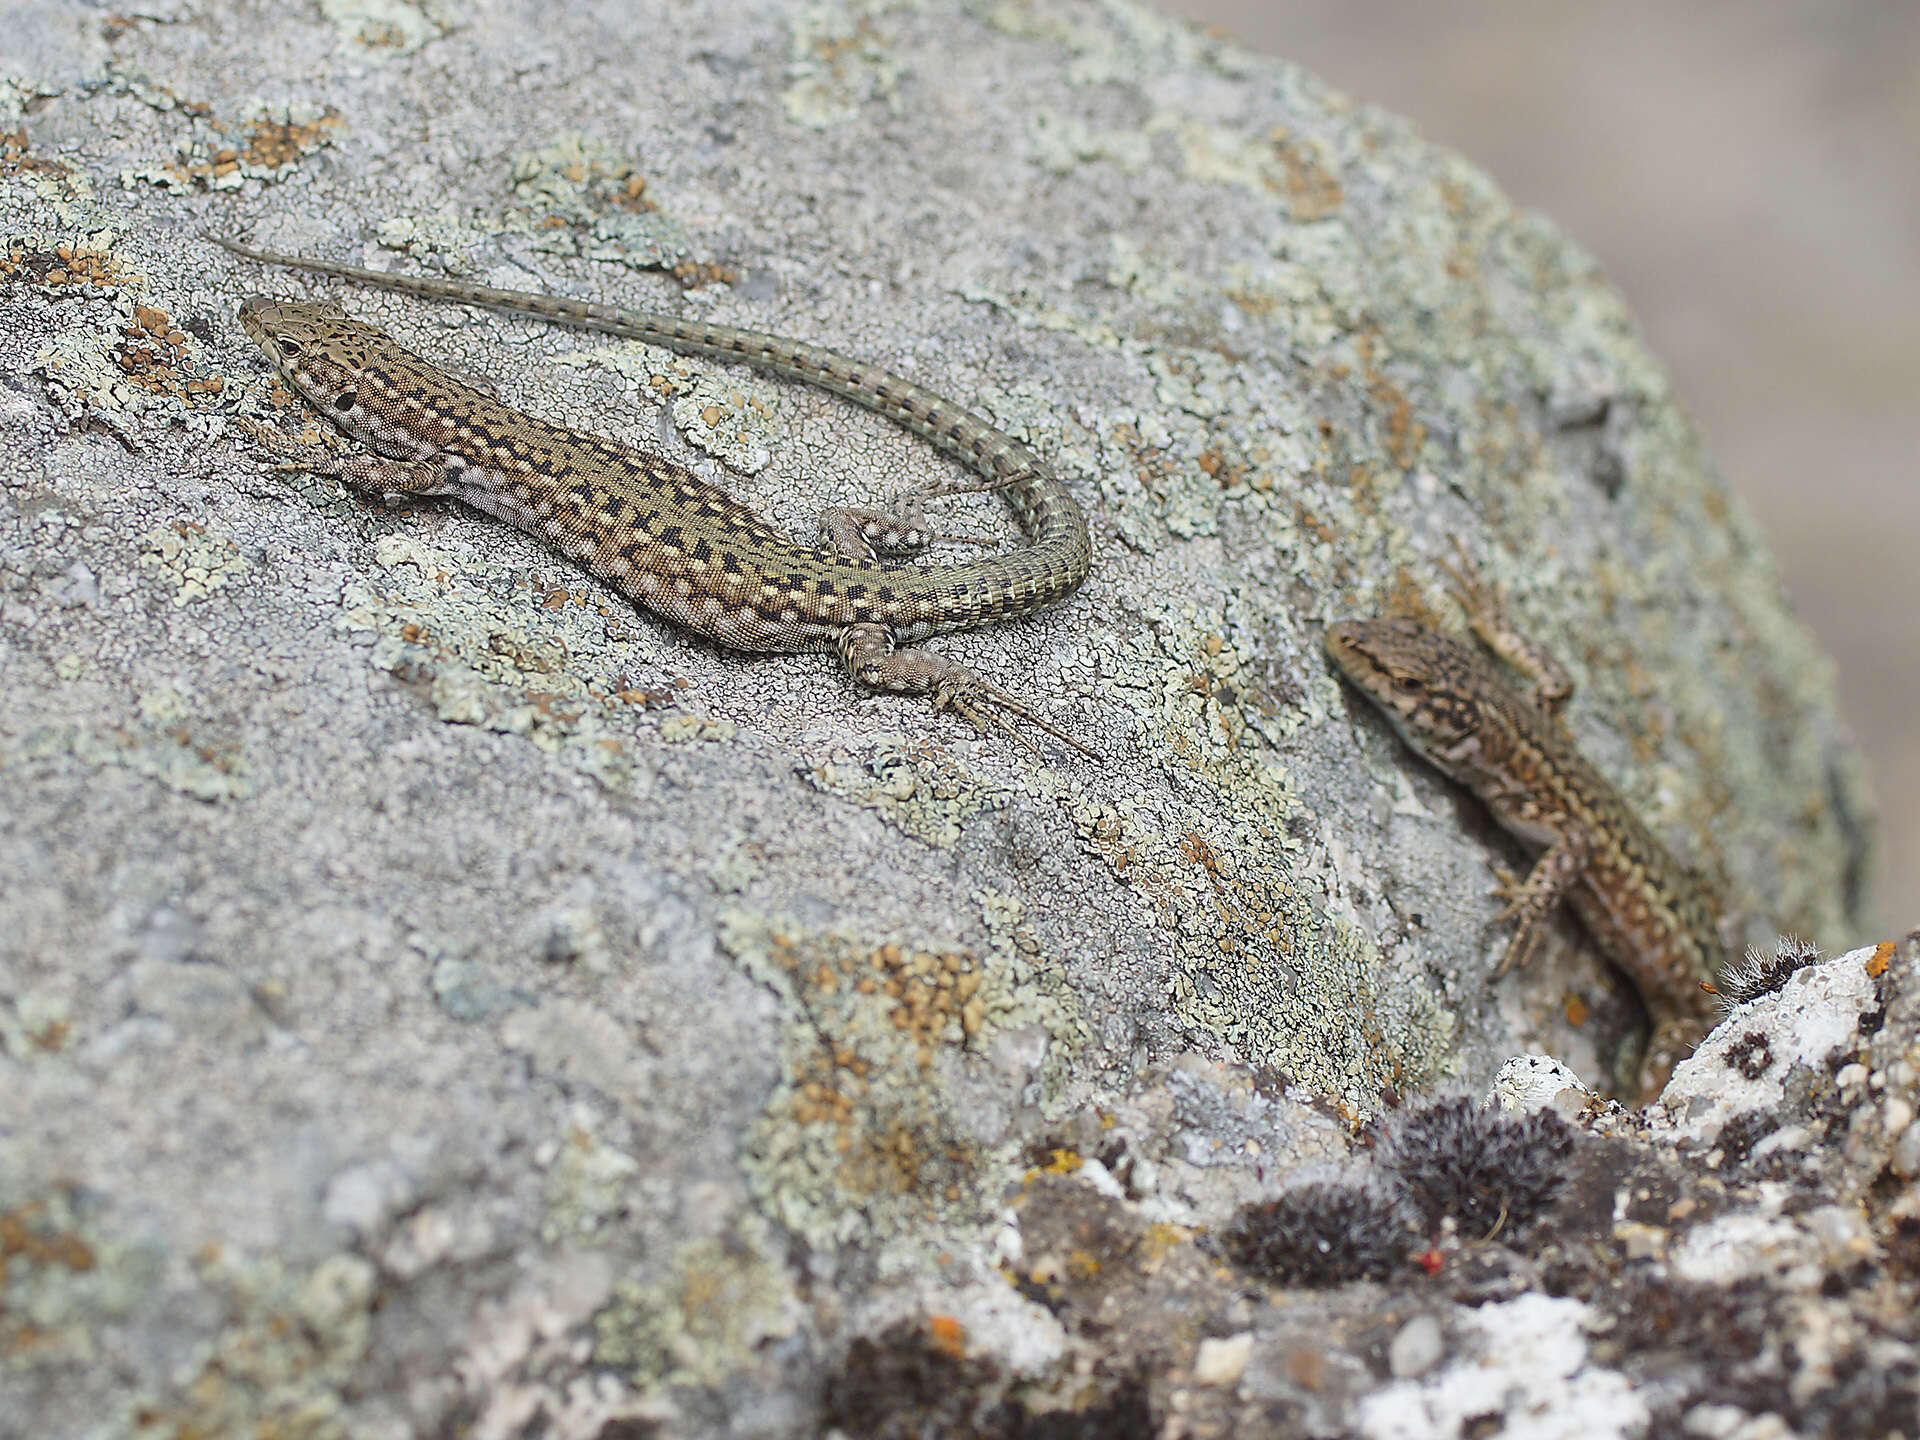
(714,980)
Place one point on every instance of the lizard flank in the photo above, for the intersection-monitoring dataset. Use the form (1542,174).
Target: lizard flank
(1650,916)
(659,534)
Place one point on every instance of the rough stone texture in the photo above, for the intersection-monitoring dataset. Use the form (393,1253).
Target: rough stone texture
(435,999)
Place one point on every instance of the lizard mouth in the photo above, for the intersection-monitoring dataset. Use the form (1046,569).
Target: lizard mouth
(256,315)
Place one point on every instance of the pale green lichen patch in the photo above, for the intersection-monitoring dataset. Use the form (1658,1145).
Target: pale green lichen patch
(731,416)
(293,1341)
(696,729)
(583,197)
(1295,169)
(61,1276)
(1262,961)
(467,992)
(1117,42)
(1062,143)
(140,367)
(166,741)
(35,1024)
(488,645)
(65,186)
(723,1297)
(861,1139)
(389,28)
(915,785)
(840,58)
(589,1181)
(192,559)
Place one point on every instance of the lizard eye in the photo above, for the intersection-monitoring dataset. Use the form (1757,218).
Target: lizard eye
(1409,684)
(288,346)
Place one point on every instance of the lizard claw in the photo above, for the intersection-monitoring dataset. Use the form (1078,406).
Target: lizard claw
(1508,887)
(1474,593)
(869,652)
(969,688)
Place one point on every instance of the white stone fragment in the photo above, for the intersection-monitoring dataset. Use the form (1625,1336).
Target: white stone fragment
(1223,1362)
(1538,1082)
(1417,1348)
(1525,1367)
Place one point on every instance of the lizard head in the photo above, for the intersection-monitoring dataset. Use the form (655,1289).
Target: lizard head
(1427,685)
(319,350)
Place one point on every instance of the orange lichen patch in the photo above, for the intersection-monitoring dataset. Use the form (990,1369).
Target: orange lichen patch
(1261,304)
(153,354)
(1155,466)
(1577,1011)
(929,992)
(274,143)
(948,1334)
(1082,1264)
(61,267)
(16,157)
(26,1236)
(630,694)
(695,273)
(599,179)
(1246,922)
(1310,522)
(1881,958)
(1405,435)
(1162,1238)
(269,145)
(1312,190)
(1222,463)
(877,1017)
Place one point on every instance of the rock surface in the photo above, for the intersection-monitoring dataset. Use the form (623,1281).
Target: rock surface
(435,999)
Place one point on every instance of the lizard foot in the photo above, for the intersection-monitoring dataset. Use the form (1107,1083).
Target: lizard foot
(872,659)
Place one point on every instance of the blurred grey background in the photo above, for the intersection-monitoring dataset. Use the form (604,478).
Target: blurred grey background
(1748,171)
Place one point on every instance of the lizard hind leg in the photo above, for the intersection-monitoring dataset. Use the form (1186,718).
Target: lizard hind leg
(873,660)
(865,534)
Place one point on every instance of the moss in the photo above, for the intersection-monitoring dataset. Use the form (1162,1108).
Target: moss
(1322,1234)
(1479,1168)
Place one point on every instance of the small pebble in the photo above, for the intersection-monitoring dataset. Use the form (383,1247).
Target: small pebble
(1417,1348)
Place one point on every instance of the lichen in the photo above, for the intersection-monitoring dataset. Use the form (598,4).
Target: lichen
(862,1139)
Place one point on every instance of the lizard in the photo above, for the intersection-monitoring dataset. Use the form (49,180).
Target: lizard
(1653,919)
(663,537)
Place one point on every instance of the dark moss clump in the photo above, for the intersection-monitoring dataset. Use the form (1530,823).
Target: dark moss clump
(1125,1414)
(903,1384)
(1479,1168)
(1759,973)
(1750,1055)
(1321,1234)
(908,1384)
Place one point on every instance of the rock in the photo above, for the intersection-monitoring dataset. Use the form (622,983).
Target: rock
(435,996)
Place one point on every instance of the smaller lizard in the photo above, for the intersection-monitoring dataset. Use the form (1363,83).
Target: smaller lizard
(659,534)
(1650,916)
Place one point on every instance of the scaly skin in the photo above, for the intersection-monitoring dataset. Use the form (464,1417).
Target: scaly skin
(662,536)
(1651,917)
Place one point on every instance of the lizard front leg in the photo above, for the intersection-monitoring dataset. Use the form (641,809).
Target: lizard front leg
(393,480)
(1531,901)
(1548,684)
